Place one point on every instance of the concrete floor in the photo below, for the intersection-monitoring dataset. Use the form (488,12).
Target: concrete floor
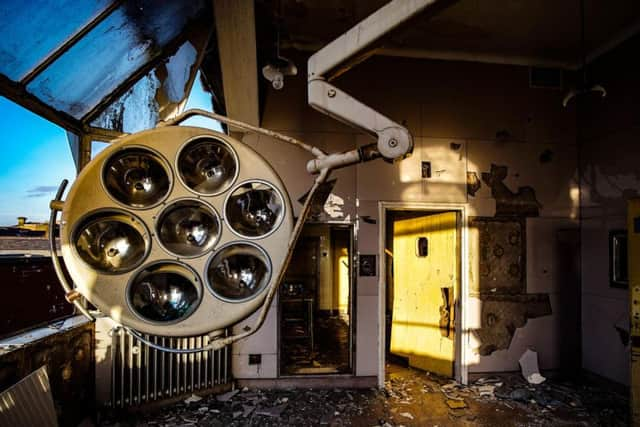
(331,352)
(410,398)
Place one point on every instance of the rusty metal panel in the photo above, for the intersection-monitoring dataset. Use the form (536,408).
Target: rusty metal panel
(29,402)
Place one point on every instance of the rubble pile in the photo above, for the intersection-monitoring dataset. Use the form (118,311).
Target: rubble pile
(409,398)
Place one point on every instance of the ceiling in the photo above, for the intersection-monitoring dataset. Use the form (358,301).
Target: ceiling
(536,31)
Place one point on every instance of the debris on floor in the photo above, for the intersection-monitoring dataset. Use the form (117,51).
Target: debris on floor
(529,364)
(227,396)
(192,399)
(409,398)
(456,404)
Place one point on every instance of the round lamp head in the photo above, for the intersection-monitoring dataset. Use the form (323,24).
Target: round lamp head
(111,242)
(238,271)
(176,231)
(188,228)
(207,166)
(164,292)
(136,177)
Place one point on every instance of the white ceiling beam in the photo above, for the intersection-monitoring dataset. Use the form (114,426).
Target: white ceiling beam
(236,34)
(617,39)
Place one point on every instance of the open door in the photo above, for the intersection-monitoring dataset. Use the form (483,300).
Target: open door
(425,281)
(315,304)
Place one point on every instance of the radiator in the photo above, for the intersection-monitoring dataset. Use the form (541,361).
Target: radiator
(141,374)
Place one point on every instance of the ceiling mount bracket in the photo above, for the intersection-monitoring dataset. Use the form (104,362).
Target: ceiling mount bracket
(394,140)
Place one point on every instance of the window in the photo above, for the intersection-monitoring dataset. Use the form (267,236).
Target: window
(35,158)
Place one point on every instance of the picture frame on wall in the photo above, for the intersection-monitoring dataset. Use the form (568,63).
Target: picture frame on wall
(618,259)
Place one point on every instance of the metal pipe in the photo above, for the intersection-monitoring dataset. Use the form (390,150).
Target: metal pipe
(56,205)
(242,125)
(332,161)
(297,229)
(340,160)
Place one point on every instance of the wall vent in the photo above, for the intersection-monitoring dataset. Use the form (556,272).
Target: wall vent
(545,78)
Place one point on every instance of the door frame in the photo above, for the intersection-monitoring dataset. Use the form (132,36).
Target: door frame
(462,333)
(351,228)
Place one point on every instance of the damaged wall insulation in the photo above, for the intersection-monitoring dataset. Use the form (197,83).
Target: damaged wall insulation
(454,112)
(502,256)
(501,283)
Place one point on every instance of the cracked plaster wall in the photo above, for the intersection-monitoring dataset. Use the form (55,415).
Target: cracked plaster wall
(465,118)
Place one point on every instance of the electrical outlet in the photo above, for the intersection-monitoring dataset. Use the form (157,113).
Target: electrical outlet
(255,359)
(426,169)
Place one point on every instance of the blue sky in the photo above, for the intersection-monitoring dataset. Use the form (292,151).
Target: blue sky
(35,158)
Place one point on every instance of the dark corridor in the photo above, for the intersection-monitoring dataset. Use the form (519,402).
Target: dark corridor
(315,304)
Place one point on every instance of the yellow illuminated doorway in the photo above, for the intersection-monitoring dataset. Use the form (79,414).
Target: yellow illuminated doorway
(425,287)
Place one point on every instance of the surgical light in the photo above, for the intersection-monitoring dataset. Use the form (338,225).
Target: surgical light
(155,231)
(189,255)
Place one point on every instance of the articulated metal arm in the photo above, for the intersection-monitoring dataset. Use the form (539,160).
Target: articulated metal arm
(394,140)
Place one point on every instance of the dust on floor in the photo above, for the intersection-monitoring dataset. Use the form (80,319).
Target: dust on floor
(410,398)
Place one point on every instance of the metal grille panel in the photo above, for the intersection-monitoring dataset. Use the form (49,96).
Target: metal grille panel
(142,374)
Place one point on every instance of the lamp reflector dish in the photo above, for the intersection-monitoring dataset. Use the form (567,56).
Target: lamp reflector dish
(164,292)
(188,228)
(136,177)
(207,166)
(254,209)
(238,272)
(111,242)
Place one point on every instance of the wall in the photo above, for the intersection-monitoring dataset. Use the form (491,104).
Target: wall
(609,151)
(465,118)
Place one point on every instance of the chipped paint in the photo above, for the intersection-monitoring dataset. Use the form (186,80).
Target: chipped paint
(502,315)
(333,206)
(473,183)
(509,203)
